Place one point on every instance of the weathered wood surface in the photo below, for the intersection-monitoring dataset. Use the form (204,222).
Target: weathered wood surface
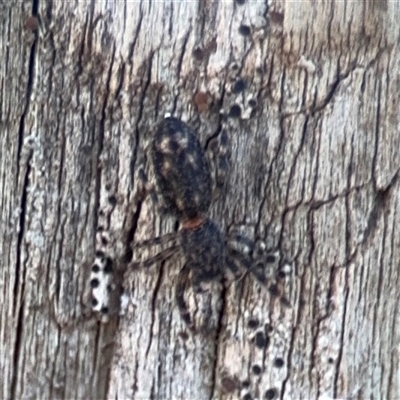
(315,172)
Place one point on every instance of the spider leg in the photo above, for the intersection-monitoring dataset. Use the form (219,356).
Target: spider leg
(159,240)
(180,296)
(163,255)
(246,262)
(240,243)
(258,271)
(235,269)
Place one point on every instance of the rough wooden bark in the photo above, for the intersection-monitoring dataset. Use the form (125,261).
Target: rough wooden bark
(315,173)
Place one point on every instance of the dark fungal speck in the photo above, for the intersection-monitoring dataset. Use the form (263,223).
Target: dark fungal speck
(104,310)
(95,268)
(239,86)
(235,111)
(271,394)
(94,283)
(277,17)
(229,384)
(253,323)
(247,396)
(269,328)
(253,103)
(245,384)
(281,275)
(278,363)
(184,335)
(270,259)
(94,302)
(256,369)
(261,340)
(331,360)
(240,2)
(31,23)
(112,200)
(99,254)
(244,30)
(108,267)
(274,290)
(198,54)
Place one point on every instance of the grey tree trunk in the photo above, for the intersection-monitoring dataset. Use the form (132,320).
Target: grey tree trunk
(309,95)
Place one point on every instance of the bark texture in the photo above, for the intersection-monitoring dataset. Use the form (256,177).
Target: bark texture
(309,94)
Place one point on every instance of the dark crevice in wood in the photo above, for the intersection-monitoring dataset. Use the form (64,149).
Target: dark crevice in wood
(291,349)
(347,203)
(130,234)
(310,231)
(29,87)
(342,347)
(18,332)
(145,84)
(219,334)
(171,20)
(380,206)
(315,330)
(132,44)
(19,284)
(153,305)
(376,135)
(89,28)
(182,53)
(290,179)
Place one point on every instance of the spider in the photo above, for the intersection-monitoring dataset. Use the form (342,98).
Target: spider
(185,181)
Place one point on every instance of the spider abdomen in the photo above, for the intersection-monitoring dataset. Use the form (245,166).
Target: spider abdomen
(181,168)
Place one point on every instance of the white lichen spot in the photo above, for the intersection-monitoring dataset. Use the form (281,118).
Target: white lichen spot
(307,65)
(124,301)
(287,268)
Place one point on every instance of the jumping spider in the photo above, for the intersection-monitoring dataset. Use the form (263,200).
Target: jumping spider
(184,179)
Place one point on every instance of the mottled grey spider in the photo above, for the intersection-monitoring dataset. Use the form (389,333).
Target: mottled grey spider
(184,180)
